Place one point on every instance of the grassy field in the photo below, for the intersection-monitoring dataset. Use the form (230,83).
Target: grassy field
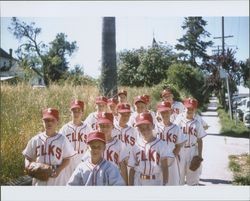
(230,128)
(21,116)
(240,166)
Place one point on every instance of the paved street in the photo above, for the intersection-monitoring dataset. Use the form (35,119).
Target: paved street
(217,148)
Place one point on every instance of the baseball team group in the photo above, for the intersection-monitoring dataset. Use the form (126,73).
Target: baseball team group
(119,144)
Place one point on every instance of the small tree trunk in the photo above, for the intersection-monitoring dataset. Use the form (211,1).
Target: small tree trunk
(108,85)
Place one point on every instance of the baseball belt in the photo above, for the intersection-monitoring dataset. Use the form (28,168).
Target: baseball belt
(143,176)
(188,146)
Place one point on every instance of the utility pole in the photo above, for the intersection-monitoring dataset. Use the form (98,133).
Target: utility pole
(223,65)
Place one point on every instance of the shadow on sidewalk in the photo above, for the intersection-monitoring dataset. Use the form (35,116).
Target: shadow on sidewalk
(216,181)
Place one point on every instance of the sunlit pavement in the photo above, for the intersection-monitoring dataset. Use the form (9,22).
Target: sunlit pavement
(217,148)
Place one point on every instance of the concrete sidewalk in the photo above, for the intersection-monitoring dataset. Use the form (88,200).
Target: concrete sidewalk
(217,148)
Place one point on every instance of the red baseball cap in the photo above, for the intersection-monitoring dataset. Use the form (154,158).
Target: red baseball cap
(96,135)
(140,99)
(77,104)
(112,101)
(166,92)
(50,113)
(190,103)
(164,106)
(143,118)
(105,118)
(122,92)
(146,97)
(123,108)
(101,99)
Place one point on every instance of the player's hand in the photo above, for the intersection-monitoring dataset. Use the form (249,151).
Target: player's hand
(55,172)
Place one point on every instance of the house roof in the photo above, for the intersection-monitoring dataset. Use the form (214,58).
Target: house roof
(4,54)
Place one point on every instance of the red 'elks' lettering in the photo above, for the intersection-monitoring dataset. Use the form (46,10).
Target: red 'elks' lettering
(169,137)
(152,156)
(112,156)
(189,130)
(127,139)
(75,137)
(50,150)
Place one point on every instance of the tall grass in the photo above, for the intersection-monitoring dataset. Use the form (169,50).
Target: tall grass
(21,116)
(230,127)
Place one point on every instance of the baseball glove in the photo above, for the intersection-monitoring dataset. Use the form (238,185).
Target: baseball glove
(39,171)
(195,163)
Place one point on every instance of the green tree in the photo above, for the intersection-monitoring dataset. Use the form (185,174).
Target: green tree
(58,55)
(108,83)
(45,60)
(187,79)
(128,63)
(145,67)
(245,75)
(193,41)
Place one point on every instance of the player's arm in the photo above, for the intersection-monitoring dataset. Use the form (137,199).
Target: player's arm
(77,178)
(59,168)
(200,147)
(124,171)
(131,176)
(164,167)
(177,149)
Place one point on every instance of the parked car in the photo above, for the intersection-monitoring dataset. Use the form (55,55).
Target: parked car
(246,119)
(242,107)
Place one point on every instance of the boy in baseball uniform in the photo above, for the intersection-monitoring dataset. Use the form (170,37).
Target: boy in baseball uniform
(76,132)
(127,134)
(115,150)
(148,159)
(177,107)
(112,107)
(194,132)
(50,148)
(140,104)
(96,171)
(172,135)
(101,106)
(122,96)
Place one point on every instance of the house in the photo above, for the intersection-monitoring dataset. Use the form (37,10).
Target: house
(9,67)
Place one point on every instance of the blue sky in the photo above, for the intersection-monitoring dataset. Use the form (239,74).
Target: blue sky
(82,21)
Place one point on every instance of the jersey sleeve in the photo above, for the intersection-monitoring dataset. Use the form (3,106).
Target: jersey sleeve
(114,177)
(68,149)
(63,130)
(30,150)
(181,137)
(200,130)
(76,178)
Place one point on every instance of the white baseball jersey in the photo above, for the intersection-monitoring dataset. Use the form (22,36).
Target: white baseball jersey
(77,136)
(50,150)
(194,130)
(146,158)
(91,120)
(127,135)
(191,128)
(201,120)
(171,135)
(115,152)
(103,174)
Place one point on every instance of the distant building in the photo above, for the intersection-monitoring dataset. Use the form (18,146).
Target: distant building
(9,67)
